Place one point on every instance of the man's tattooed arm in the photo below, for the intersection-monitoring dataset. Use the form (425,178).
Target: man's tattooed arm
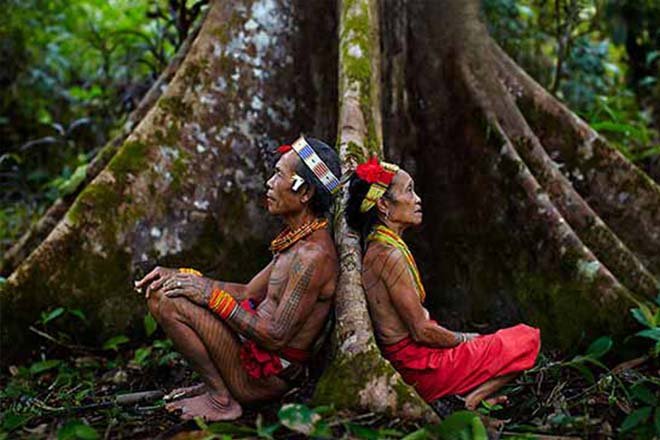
(305,280)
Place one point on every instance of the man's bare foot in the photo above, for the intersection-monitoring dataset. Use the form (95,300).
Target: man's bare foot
(473,400)
(208,406)
(191,391)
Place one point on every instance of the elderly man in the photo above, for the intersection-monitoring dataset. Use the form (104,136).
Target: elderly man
(249,342)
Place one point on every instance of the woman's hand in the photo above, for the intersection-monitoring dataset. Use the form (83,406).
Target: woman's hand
(197,289)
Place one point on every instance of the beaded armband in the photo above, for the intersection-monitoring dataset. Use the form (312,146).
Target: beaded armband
(190,271)
(222,303)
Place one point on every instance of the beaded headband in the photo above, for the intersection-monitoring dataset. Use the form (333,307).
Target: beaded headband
(313,162)
(379,175)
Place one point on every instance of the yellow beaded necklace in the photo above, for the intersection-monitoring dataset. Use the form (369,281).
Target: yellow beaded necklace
(288,238)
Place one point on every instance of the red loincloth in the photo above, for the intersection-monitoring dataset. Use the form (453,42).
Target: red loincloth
(258,362)
(437,372)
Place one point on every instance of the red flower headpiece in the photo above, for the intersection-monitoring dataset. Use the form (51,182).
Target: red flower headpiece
(373,172)
(284,149)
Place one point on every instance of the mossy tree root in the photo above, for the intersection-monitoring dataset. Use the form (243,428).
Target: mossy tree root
(38,232)
(359,378)
(587,224)
(623,195)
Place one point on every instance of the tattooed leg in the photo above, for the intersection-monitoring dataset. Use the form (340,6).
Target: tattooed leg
(213,350)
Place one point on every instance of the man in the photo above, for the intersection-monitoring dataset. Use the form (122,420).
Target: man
(244,354)
(437,361)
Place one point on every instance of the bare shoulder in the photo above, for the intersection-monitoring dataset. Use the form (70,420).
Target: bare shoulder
(383,262)
(379,255)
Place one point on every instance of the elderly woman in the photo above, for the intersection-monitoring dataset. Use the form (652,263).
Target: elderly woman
(435,360)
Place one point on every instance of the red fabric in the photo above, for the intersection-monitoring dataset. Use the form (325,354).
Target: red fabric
(258,362)
(437,372)
(284,149)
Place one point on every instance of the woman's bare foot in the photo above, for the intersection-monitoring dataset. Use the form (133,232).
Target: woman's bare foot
(208,406)
(473,400)
(191,391)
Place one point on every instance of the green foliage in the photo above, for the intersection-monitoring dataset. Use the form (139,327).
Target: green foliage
(600,57)
(77,429)
(114,342)
(73,71)
(649,317)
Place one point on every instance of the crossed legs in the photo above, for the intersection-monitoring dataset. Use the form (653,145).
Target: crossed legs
(212,349)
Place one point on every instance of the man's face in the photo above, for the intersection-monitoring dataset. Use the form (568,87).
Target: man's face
(280,198)
(405,207)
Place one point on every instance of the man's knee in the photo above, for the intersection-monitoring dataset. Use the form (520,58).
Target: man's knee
(164,308)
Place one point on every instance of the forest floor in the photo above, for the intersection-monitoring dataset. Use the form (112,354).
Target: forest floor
(70,391)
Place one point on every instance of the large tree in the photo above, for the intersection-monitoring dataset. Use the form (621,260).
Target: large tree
(529,214)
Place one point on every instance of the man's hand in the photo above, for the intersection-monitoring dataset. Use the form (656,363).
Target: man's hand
(155,279)
(197,289)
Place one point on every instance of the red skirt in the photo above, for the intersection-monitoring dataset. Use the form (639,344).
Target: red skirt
(259,362)
(437,372)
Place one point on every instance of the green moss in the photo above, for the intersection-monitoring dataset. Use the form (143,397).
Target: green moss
(174,106)
(347,376)
(357,32)
(131,158)
(98,201)
(180,169)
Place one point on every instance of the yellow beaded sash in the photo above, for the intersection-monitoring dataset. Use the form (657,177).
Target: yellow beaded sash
(288,238)
(385,235)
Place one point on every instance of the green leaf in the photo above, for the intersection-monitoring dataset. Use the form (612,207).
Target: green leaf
(230,428)
(114,342)
(298,418)
(47,317)
(599,347)
(585,371)
(363,432)
(420,434)
(12,420)
(461,425)
(40,367)
(656,420)
(150,324)
(651,333)
(78,313)
(643,394)
(141,355)
(76,429)
(635,418)
(640,316)
(266,431)
(321,430)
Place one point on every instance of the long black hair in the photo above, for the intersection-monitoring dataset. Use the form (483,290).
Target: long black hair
(362,222)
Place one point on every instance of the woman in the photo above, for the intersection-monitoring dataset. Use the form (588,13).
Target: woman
(435,360)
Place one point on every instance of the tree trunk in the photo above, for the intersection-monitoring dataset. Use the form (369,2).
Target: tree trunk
(358,376)
(529,214)
(185,188)
(38,232)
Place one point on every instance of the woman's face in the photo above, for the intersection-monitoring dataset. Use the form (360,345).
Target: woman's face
(402,206)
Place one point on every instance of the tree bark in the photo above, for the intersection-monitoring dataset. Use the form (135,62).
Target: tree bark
(185,188)
(529,214)
(38,232)
(358,376)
